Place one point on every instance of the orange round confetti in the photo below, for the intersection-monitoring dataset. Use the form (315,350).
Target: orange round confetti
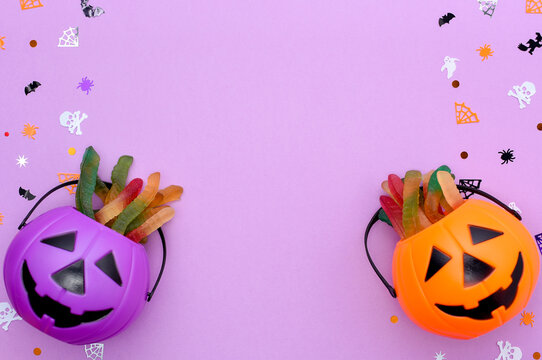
(37,351)
(455,84)
(394,319)
(71,151)
(33,43)
(464,155)
(536,355)
(539,126)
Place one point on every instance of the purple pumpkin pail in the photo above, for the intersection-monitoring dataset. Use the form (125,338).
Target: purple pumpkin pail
(74,278)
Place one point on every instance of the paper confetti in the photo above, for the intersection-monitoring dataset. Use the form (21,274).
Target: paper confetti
(533,6)
(445,19)
(30,88)
(538,238)
(523,93)
(69,38)
(449,65)
(22,161)
(485,51)
(508,352)
(2,42)
(63,177)
(91,11)
(532,44)
(30,131)
(73,121)
(30,4)
(85,85)
(464,115)
(527,318)
(514,207)
(26,194)
(487,6)
(507,156)
(7,315)
(94,351)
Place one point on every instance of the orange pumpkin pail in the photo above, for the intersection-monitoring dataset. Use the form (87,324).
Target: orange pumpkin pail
(466,274)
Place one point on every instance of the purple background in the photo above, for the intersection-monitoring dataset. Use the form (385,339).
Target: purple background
(280,119)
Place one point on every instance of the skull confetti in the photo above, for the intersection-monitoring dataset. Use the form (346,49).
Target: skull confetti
(7,315)
(72,121)
(509,352)
(523,93)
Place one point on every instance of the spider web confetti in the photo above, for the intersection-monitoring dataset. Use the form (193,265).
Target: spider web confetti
(94,351)
(473,183)
(63,177)
(30,4)
(464,115)
(488,6)
(538,239)
(70,38)
(534,6)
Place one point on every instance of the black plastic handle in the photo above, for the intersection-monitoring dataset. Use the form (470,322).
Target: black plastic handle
(374,219)
(160,232)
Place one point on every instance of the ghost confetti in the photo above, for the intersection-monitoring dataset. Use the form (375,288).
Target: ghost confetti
(73,121)
(523,93)
(449,65)
(508,352)
(7,315)
(91,11)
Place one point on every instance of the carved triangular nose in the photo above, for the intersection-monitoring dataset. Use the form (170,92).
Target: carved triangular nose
(72,278)
(475,270)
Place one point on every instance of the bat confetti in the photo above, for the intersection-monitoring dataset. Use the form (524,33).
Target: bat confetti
(445,19)
(26,194)
(31,87)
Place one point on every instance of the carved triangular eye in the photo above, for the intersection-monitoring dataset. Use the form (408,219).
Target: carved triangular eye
(479,234)
(62,241)
(475,270)
(438,260)
(109,266)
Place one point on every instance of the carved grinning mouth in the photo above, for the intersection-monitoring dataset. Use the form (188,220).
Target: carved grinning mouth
(60,313)
(502,297)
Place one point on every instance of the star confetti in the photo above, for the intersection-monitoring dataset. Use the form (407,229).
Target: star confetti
(22,161)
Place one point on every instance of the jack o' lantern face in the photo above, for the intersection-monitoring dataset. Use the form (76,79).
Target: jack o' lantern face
(75,279)
(474,272)
(468,273)
(72,279)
